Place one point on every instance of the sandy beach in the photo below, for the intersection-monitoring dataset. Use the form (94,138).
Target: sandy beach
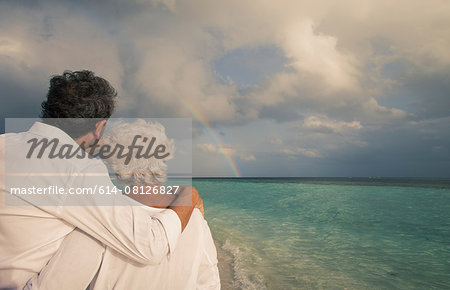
(225,267)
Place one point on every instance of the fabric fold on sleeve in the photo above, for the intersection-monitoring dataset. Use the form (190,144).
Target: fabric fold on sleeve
(172,226)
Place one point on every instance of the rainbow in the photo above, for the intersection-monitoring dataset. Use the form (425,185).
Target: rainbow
(213,136)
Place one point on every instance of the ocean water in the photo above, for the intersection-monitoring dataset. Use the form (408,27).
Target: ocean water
(301,233)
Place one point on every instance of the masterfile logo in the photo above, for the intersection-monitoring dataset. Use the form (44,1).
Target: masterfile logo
(67,151)
(50,161)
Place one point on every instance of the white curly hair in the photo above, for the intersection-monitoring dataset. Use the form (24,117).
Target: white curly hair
(139,171)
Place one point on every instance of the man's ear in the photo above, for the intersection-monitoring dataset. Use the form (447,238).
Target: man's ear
(99,129)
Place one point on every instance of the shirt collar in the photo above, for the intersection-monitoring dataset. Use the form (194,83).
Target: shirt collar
(51,132)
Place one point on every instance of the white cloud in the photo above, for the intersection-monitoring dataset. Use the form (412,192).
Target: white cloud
(250,157)
(208,148)
(170,4)
(176,43)
(211,148)
(161,56)
(326,125)
(318,54)
(312,153)
(225,150)
(276,141)
(10,47)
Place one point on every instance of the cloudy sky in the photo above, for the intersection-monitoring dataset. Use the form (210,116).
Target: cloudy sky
(274,88)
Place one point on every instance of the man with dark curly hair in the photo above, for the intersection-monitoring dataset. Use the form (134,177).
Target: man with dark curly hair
(79,94)
(33,226)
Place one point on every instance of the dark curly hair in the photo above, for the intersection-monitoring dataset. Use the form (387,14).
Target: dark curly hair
(80,96)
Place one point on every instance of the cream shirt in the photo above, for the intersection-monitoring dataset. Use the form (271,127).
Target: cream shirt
(33,226)
(83,263)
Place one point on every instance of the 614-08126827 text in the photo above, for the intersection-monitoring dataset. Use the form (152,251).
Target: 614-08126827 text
(53,189)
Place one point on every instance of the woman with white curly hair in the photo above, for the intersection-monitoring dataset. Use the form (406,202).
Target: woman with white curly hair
(152,171)
(144,172)
(83,262)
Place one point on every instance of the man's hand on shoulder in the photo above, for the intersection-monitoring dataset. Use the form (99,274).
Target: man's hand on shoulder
(184,204)
(198,203)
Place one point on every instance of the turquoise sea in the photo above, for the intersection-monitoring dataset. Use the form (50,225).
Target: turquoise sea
(321,233)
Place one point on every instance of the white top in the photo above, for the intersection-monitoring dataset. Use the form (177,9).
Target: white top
(32,226)
(83,263)
(192,266)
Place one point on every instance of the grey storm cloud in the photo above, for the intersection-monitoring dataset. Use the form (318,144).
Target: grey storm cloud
(317,67)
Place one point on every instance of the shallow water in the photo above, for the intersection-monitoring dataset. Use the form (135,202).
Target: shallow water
(330,233)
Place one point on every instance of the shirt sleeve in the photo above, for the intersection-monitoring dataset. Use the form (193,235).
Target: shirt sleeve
(208,272)
(143,234)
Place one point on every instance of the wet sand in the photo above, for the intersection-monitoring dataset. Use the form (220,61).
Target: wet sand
(225,268)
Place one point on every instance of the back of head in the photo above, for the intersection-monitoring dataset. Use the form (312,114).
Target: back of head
(77,100)
(140,170)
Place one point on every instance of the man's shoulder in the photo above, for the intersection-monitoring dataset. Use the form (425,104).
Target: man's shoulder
(31,152)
